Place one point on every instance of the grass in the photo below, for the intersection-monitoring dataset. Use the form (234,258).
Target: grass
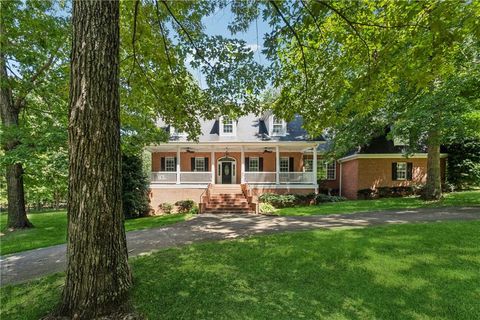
(465,198)
(51,229)
(417,271)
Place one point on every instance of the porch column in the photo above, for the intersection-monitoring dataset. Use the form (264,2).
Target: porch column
(277,165)
(314,165)
(178,164)
(242,166)
(212,165)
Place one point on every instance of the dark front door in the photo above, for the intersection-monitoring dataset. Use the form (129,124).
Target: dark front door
(226,172)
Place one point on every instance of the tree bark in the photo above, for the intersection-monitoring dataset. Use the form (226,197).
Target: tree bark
(98,276)
(433,188)
(17,215)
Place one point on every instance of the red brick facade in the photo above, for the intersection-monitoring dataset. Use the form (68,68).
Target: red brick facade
(372,173)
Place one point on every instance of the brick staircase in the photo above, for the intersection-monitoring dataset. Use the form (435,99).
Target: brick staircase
(226,198)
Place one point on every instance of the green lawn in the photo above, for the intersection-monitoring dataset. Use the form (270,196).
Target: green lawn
(51,228)
(465,198)
(418,271)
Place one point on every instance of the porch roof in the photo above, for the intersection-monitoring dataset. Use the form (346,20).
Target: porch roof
(236,146)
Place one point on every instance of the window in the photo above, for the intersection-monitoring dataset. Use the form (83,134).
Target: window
(278,126)
(326,170)
(307,164)
(401,170)
(284,164)
(227,126)
(174,132)
(170,164)
(253,164)
(199,164)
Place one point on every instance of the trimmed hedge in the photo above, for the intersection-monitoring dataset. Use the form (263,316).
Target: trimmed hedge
(322,198)
(290,200)
(185,206)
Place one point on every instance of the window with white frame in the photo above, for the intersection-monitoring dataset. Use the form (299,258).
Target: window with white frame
(401,170)
(284,164)
(227,126)
(326,170)
(174,132)
(307,164)
(170,164)
(278,126)
(254,164)
(199,164)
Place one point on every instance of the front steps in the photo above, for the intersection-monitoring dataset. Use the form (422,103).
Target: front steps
(226,198)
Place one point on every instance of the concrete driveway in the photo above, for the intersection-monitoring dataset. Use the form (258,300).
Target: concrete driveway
(27,265)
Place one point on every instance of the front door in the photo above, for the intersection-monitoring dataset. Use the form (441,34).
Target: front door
(226,172)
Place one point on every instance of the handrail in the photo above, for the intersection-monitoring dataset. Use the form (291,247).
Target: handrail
(248,193)
(206,193)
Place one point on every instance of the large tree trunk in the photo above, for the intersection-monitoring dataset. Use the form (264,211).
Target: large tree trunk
(17,215)
(98,276)
(433,188)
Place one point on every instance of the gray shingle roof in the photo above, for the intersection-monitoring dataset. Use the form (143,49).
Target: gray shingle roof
(250,128)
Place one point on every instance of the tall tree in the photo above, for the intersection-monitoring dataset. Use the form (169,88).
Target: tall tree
(32,46)
(98,276)
(345,65)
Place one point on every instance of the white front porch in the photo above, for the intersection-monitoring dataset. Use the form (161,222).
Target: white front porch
(228,163)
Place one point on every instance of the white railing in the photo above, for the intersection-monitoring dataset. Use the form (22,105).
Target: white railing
(296,177)
(260,177)
(164,177)
(196,177)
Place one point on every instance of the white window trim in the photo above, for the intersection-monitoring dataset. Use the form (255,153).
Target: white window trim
(228,134)
(202,167)
(250,164)
(166,161)
(404,170)
(284,127)
(175,133)
(325,164)
(288,164)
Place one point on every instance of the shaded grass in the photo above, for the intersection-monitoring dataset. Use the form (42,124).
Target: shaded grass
(418,271)
(465,198)
(51,229)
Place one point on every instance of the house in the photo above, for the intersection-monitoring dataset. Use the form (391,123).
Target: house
(237,160)
(382,163)
(261,153)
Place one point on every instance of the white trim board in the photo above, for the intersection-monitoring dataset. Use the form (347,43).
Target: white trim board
(387,156)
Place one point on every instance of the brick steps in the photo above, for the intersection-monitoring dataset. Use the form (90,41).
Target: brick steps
(227,199)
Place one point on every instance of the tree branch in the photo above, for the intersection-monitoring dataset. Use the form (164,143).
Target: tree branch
(300,44)
(163,37)
(197,51)
(134,35)
(352,26)
(31,82)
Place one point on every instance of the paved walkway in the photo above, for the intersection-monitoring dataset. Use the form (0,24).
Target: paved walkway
(27,265)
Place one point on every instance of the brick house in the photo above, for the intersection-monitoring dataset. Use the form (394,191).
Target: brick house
(235,161)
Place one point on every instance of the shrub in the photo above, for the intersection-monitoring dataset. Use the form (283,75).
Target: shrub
(364,194)
(321,198)
(463,163)
(185,205)
(266,208)
(166,207)
(194,210)
(305,199)
(134,187)
(279,200)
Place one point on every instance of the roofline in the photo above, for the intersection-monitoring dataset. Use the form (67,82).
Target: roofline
(237,143)
(387,156)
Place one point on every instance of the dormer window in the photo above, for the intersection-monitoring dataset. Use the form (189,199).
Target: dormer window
(174,132)
(227,126)
(279,126)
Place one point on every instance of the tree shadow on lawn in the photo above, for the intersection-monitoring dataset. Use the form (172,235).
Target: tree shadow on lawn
(395,272)
(390,272)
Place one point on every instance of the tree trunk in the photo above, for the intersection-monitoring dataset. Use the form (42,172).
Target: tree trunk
(433,188)
(17,215)
(98,276)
